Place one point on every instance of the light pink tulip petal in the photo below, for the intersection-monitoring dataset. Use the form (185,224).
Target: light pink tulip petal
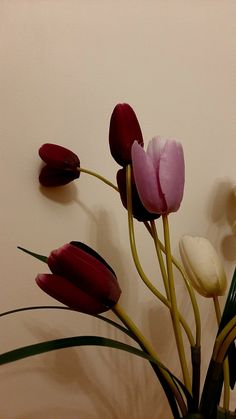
(171,174)
(146,180)
(154,150)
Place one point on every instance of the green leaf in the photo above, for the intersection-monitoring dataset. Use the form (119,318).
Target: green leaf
(228,313)
(52,345)
(213,384)
(98,316)
(35,255)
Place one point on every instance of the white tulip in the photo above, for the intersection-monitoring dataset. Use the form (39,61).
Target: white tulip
(203,266)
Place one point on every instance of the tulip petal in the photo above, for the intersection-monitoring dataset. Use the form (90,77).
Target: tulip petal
(171,174)
(93,253)
(51,177)
(124,130)
(146,180)
(67,293)
(203,266)
(58,157)
(86,272)
(154,150)
(138,210)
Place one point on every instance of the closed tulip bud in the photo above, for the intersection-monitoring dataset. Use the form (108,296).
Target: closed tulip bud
(159,174)
(61,165)
(124,130)
(138,210)
(80,279)
(203,266)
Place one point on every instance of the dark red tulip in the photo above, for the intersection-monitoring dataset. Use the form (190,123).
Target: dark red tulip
(80,279)
(61,165)
(138,210)
(124,130)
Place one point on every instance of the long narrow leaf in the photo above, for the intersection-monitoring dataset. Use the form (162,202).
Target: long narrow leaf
(228,313)
(52,345)
(98,316)
(35,255)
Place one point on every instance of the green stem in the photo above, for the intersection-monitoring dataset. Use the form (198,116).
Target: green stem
(225,345)
(137,263)
(103,179)
(222,336)
(193,301)
(144,343)
(174,308)
(160,259)
(189,289)
(226,363)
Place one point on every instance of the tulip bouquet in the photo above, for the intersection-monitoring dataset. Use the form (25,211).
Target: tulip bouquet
(151,185)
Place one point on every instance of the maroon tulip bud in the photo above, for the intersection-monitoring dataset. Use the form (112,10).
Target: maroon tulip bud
(124,130)
(61,165)
(80,279)
(138,210)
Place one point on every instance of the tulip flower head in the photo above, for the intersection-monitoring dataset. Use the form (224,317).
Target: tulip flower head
(80,279)
(61,165)
(138,210)
(203,266)
(124,130)
(159,174)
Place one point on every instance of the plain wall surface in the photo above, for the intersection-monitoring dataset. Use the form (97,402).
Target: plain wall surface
(64,66)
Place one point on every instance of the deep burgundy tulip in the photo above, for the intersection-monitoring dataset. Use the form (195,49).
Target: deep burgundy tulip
(61,165)
(124,130)
(81,279)
(138,210)
(159,174)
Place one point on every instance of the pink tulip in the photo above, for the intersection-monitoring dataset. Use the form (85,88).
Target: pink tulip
(159,174)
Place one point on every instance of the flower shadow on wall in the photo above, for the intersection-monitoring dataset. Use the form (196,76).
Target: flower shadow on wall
(166,349)
(114,397)
(104,236)
(222,215)
(77,371)
(65,195)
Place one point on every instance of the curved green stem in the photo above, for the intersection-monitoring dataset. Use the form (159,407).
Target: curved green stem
(193,301)
(174,308)
(137,263)
(160,259)
(223,335)
(225,344)
(188,286)
(145,344)
(103,179)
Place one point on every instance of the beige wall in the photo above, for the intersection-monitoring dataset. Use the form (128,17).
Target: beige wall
(64,66)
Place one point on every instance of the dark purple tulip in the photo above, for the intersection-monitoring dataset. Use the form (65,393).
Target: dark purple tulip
(124,130)
(61,165)
(139,211)
(80,279)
